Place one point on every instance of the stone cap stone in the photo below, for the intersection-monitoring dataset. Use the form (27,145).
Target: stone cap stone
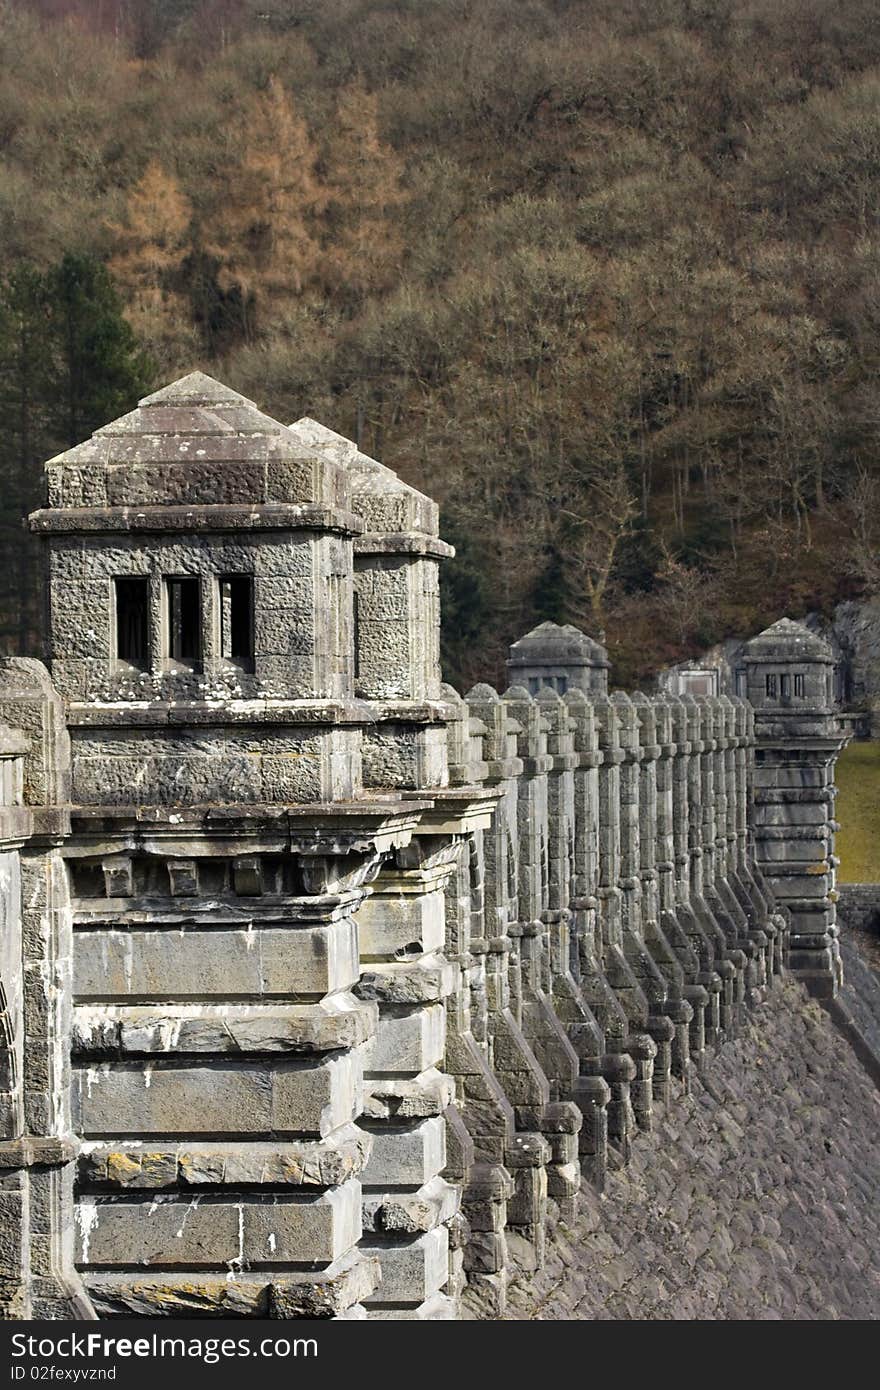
(385,504)
(194,442)
(555,644)
(786,640)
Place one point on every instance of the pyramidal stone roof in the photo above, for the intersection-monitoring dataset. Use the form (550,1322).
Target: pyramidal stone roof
(195,441)
(196,388)
(555,644)
(384,501)
(789,641)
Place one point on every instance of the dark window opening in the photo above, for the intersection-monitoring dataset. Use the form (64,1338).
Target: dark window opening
(799,687)
(183,618)
(771,687)
(562,684)
(132,606)
(237,618)
(786,687)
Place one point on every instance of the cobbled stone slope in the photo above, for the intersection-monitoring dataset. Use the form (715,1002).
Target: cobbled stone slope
(746,1202)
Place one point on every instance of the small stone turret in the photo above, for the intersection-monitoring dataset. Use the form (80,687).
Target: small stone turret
(789,682)
(200,606)
(562,657)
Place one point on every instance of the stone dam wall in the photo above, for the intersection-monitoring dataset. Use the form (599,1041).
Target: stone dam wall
(325,989)
(859,906)
(733,1208)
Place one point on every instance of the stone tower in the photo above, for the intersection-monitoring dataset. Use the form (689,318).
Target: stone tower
(563,658)
(789,683)
(201,630)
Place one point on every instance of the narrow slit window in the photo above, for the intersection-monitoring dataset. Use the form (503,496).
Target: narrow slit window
(237,618)
(786,687)
(771,687)
(132,607)
(799,687)
(183,616)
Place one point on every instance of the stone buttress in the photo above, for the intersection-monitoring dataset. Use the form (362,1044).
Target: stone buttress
(671,863)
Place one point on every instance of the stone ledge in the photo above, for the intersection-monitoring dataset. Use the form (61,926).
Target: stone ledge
(119,1030)
(326,1293)
(402,543)
(198,517)
(119,1164)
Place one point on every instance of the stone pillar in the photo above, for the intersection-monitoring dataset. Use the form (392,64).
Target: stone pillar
(38,1149)
(766,909)
(627,1043)
(534,928)
(219,1056)
(407,1204)
(692,992)
(700,872)
(584,1029)
(754,933)
(732,927)
(485,1112)
(699,933)
(637,885)
(562,660)
(581,1028)
(513,1062)
(671,1003)
(798,736)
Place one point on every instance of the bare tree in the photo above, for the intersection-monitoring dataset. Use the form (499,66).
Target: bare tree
(861,512)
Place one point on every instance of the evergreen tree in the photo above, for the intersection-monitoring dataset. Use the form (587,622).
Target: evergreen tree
(97,368)
(24,441)
(69,362)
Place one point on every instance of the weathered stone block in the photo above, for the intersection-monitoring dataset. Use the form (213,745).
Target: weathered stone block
(216,963)
(389,925)
(171,1099)
(209,1232)
(412,1272)
(406,1156)
(409,1041)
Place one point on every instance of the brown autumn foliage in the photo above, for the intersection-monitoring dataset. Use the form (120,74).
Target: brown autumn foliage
(602,277)
(261,225)
(151,244)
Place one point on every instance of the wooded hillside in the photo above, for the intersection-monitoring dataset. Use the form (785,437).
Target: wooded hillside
(599,275)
